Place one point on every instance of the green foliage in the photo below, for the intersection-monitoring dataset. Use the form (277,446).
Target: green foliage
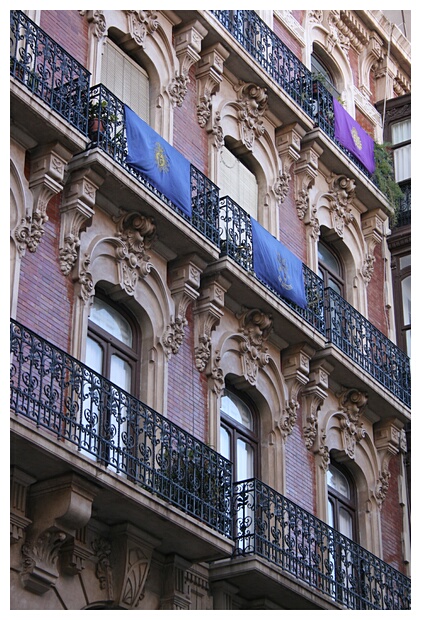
(384,176)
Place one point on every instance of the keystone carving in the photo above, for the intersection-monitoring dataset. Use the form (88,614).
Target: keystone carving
(288,141)
(352,403)
(252,105)
(141,24)
(46,179)
(135,233)
(255,327)
(342,192)
(187,44)
(184,285)
(295,369)
(209,77)
(76,209)
(208,312)
(59,507)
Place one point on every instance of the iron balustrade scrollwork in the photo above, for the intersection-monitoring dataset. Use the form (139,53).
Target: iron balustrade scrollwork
(107,130)
(403,217)
(48,71)
(273,527)
(78,406)
(237,242)
(355,336)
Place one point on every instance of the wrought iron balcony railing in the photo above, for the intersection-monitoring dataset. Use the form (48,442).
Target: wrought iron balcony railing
(108,132)
(76,405)
(286,69)
(366,345)
(404,212)
(326,311)
(271,526)
(48,71)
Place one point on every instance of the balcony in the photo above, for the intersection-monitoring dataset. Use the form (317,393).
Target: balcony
(404,212)
(268,525)
(64,401)
(293,77)
(47,71)
(326,311)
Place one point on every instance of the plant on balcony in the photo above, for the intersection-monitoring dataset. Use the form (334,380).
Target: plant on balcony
(384,176)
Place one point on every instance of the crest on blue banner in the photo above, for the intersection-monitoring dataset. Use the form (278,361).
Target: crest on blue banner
(277,266)
(163,166)
(352,136)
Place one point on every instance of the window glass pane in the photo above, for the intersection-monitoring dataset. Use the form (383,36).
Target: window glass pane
(345,522)
(225,443)
(245,460)
(405,261)
(330,513)
(406,300)
(336,480)
(237,182)
(333,284)
(408,342)
(120,373)
(111,321)
(233,407)
(401,132)
(94,355)
(402,162)
(329,259)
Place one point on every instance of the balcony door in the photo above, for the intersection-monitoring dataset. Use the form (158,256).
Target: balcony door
(112,353)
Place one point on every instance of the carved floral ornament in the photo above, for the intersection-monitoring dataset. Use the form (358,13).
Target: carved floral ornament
(342,192)
(252,105)
(255,327)
(352,403)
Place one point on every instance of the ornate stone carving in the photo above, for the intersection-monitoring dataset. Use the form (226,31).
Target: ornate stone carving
(97,21)
(102,550)
(388,441)
(367,268)
(141,24)
(342,192)
(19,484)
(382,486)
(207,313)
(217,131)
(337,35)
(323,451)
(252,105)
(295,369)
(288,141)
(255,327)
(187,44)
(217,375)
(74,553)
(135,233)
(372,228)
(209,77)
(77,208)
(313,397)
(39,561)
(352,29)
(316,16)
(305,171)
(177,89)
(85,281)
(175,594)
(352,403)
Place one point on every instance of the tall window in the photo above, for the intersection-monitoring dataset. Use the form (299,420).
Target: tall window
(341,502)
(321,72)
(125,79)
(237,182)
(401,141)
(238,435)
(330,268)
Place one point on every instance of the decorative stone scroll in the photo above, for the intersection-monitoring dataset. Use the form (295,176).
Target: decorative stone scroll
(252,105)
(255,327)
(295,369)
(352,403)
(341,194)
(187,44)
(209,77)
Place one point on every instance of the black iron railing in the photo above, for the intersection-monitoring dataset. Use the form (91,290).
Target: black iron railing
(366,345)
(65,398)
(48,71)
(107,131)
(326,311)
(404,212)
(286,69)
(269,525)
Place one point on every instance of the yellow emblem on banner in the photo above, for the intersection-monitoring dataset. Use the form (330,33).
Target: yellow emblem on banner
(283,275)
(161,158)
(356,138)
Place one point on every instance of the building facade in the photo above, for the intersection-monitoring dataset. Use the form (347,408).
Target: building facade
(186,431)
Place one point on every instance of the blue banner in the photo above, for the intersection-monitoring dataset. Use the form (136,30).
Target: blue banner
(353,137)
(158,161)
(276,266)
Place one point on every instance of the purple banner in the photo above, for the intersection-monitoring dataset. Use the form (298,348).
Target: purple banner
(352,136)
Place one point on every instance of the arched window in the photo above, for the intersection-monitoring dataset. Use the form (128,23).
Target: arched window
(321,73)
(341,501)
(330,268)
(238,435)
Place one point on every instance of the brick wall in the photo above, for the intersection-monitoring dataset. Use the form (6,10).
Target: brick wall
(286,37)
(70,30)
(391,519)
(375,294)
(45,294)
(291,229)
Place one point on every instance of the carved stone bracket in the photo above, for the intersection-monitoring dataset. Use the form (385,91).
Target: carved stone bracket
(216,378)
(187,44)
(59,507)
(74,552)
(209,77)
(97,22)
(295,369)
(85,283)
(255,327)
(372,228)
(313,397)
(175,594)
(135,233)
(341,194)
(305,171)
(207,313)
(141,24)
(184,285)
(19,484)
(389,439)
(288,141)
(352,403)
(77,207)
(46,179)
(252,105)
